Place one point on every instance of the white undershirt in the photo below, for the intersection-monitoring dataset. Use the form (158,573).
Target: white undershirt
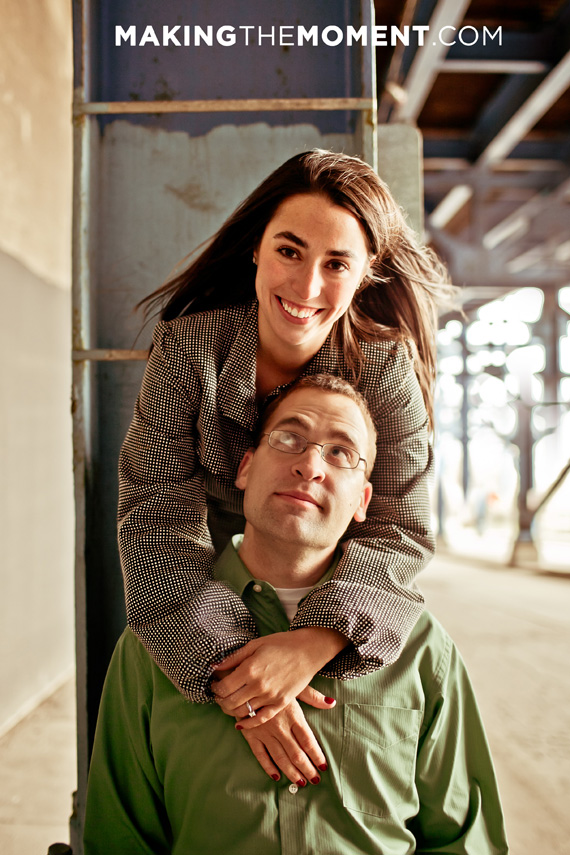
(290,598)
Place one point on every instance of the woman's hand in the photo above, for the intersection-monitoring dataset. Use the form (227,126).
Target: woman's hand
(287,743)
(270,672)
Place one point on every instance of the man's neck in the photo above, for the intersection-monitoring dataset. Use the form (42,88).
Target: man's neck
(283,564)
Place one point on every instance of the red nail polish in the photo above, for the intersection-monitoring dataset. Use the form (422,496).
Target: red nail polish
(239,727)
(323,767)
(301,783)
(275,777)
(329,700)
(315,780)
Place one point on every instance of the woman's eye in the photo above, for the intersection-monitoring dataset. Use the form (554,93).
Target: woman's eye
(337,265)
(288,251)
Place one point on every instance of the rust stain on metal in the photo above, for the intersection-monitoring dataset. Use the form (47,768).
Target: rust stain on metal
(108,355)
(193,196)
(224,105)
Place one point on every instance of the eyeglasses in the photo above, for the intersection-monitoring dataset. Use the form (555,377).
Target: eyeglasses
(293,443)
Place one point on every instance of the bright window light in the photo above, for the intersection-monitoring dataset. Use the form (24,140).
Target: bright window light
(564,298)
(536,388)
(565,353)
(450,392)
(493,392)
(538,422)
(454,328)
(497,358)
(451,365)
(527,360)
(516,333)
(478,333)
(505,421)
(475,363)
(512,385)
(525,304)
(565,389)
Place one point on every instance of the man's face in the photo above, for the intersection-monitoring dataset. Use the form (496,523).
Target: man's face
(300,497)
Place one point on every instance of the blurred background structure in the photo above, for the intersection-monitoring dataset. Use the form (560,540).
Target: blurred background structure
(36,497)
(493,109)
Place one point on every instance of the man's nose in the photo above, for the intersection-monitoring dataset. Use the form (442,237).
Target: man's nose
(309,282)
(309,464)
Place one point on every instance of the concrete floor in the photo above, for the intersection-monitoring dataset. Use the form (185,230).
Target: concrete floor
(37,777)
(512,627)
(513,630)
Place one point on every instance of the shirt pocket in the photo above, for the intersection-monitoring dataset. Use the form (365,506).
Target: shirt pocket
(379,758)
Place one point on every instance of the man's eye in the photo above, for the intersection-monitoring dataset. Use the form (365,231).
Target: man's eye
(289,440)
(340,453)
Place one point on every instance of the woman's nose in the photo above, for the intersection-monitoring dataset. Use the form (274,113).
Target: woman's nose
(308,283)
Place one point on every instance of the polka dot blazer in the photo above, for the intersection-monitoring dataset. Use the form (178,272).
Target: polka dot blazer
(194,419)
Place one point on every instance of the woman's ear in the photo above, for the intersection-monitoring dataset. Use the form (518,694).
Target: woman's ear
(243,469)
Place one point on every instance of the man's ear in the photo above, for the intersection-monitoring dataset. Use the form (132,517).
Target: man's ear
(243,469)
(365,496)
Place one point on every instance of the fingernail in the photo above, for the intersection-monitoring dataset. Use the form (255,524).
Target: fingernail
(239,727)
(315,780)
(275,777)
(329,700)
(301,783)
(323,767)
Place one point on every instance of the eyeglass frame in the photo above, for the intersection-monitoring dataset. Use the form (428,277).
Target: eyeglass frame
(320,445)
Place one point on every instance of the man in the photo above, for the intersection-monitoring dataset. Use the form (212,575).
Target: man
(409,768)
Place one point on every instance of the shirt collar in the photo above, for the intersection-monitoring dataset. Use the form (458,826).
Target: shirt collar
(229,568)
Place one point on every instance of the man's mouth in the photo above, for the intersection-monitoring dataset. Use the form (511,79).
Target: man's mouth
(302,498)
(299,311)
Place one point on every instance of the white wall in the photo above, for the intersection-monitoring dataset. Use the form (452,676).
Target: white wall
(36,499)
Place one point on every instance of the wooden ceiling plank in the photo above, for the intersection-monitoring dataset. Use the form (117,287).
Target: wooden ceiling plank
(541,100)
(493,66)
(425,66)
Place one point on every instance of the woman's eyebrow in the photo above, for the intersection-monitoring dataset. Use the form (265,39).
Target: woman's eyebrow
(335,253)
(293,238)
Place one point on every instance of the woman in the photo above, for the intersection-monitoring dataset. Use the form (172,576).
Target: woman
(315,272)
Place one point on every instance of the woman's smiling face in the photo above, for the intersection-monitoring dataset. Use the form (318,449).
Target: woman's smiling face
(312,257)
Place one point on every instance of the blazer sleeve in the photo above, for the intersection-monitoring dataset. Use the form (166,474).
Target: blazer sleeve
(184,618)
(371,597)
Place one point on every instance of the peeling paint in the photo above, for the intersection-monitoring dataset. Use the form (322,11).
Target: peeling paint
(193,196)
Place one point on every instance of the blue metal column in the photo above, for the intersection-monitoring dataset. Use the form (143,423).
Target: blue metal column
(168,139)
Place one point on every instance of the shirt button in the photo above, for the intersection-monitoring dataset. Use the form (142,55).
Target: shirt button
(293,788)
(258,589)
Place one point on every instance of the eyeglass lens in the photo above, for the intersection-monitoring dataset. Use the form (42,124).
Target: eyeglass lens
(293,443)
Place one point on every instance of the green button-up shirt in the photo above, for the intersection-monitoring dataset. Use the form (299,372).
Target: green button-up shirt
(409,765)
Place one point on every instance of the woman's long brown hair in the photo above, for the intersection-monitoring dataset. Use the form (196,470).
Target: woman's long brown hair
(398,301)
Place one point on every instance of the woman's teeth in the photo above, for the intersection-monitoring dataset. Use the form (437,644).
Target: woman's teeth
(298,313)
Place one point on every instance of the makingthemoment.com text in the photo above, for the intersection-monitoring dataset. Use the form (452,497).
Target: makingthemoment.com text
(186,35)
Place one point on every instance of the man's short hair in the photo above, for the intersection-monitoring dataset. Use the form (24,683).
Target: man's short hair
(328,383)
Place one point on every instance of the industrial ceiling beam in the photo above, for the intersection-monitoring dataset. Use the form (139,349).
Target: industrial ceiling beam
(543,97)
(425,66)
(519,221)
(493,66)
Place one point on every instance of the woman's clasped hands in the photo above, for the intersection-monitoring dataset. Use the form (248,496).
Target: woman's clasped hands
(272,674)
